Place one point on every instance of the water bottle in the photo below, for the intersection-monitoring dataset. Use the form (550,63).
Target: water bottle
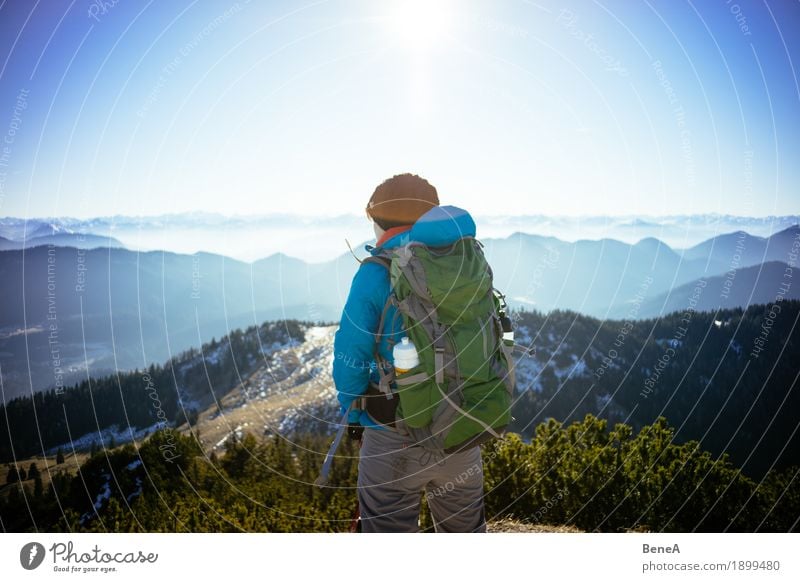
(405,356)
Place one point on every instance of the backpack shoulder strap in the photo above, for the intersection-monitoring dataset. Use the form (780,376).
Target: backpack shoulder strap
(379,260)
(385,372)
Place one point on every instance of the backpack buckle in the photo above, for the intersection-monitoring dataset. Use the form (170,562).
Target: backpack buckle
(438,355)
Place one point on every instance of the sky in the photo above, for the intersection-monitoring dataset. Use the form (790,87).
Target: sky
(507,107)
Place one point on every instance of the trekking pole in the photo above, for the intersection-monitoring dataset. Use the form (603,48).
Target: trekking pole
(355,523)
(326,465)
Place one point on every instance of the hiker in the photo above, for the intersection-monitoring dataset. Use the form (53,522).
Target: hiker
(397,462)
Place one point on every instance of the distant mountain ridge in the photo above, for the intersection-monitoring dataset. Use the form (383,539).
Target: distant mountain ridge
(250,237)
(76,240)
(35,233)
(754,285)
(150,305)
(604,277)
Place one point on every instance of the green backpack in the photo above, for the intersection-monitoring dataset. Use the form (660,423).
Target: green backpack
(460,393)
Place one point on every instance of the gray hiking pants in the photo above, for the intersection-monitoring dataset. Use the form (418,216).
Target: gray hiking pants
(392,476)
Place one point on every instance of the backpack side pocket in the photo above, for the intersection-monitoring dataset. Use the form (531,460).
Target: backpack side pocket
(419,396)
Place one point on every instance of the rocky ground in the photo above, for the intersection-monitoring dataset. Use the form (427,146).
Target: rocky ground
(295,390)
(507,525)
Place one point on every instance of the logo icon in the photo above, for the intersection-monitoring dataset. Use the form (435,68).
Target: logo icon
(31,555)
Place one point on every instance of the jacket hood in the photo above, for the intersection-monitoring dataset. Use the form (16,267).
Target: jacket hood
(441,225)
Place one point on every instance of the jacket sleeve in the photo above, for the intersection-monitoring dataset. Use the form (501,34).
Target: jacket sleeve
(354,341)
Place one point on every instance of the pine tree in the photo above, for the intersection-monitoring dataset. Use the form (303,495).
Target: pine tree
(22,475)
(38,489)
(59,456)
(33,471)
(13,474)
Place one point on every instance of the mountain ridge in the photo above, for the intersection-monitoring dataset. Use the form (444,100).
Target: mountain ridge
(174,301)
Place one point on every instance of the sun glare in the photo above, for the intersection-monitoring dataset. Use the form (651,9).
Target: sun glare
(419,25)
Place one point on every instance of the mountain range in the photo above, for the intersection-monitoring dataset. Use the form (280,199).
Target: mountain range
(70,311)
(609,278)
(252,237)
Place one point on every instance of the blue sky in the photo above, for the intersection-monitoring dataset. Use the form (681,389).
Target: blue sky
(506,106)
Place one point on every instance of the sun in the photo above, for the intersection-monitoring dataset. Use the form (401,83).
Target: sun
(420,25)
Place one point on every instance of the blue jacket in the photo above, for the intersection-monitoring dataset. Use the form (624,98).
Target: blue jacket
(353,361)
